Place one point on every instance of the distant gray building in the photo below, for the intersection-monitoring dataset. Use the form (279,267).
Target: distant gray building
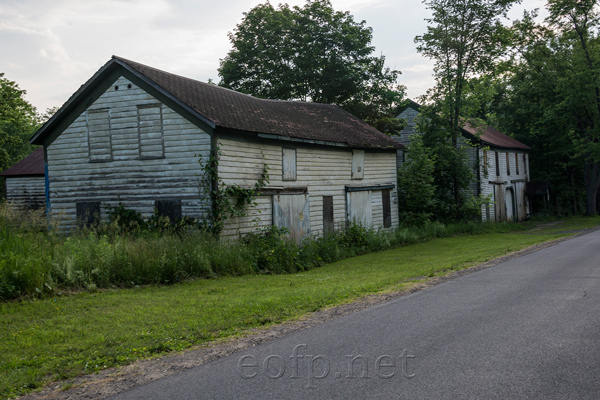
(135,134)
(500,163)
(24,182)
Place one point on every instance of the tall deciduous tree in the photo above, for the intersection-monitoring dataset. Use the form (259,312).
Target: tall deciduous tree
(312,53)
(552,95)
(577,54)
(18,121)
(464,38)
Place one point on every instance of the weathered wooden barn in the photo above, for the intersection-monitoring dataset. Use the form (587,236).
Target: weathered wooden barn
(24,182)
(138,135)
(500,164)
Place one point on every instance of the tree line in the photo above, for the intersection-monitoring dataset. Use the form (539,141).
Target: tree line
(538,81)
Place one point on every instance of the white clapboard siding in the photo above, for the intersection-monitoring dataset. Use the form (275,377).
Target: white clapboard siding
(323,171)
(172,169)
(26,191)
(504,181)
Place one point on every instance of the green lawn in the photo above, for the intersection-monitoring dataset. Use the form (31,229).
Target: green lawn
(65,336)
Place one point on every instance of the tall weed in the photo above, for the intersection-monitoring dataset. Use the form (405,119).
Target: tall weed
(35,261)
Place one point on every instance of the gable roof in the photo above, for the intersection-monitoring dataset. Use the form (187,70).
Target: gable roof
(225,109)
(493,137)
(486,134)
(31,165)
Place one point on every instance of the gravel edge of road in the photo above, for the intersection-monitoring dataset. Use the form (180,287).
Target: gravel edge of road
(116,380)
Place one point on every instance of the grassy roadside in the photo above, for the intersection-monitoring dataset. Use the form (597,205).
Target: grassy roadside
(61,337)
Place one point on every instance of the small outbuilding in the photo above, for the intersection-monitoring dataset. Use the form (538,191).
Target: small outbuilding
(141,136)
(24,182)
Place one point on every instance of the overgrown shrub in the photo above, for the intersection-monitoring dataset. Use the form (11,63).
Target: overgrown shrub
(35,263)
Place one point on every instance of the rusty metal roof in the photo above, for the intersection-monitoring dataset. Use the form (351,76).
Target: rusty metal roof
(485,134)
(225,109)
(493,137)
(33,164)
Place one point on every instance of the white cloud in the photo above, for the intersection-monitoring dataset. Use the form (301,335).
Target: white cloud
(52,47)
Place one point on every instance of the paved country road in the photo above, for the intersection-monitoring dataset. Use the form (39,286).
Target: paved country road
(528,328)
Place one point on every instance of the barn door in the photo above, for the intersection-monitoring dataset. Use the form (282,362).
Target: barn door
(359,208)
(291,211)
(510,205)
(500,205)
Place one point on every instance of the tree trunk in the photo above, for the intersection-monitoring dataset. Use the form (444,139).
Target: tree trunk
(592,184)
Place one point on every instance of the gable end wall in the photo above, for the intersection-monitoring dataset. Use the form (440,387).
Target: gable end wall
(127,178)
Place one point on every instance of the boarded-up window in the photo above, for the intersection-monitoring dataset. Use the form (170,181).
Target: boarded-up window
(359,208)
(291,211)
(170,208)
(517,163)
(289,164)
(99,137)
(507,164)
(497,164)
(150,131)
(88,213)
(387,210)
(358,164)
(525,164)
(328,225)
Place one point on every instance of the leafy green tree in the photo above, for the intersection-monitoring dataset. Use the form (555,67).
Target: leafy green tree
(577,59)
(465,38)
(550,98)
(18,121)
(312,53)
(416,187)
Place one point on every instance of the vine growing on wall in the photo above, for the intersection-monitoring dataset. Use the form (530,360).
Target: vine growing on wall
(227,201)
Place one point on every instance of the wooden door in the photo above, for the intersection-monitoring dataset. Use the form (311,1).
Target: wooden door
(291,211)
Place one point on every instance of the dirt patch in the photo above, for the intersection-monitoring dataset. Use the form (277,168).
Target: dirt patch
(116,380)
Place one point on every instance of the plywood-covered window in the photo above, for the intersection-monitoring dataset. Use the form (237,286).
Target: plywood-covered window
(358,164)
(88,213)
(328,224)
(99,135)
(151,131)
(170,208)
(507,164)
(387,210)
(289,164)
(525,164)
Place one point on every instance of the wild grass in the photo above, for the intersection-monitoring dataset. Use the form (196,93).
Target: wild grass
(62,336)
(37,262)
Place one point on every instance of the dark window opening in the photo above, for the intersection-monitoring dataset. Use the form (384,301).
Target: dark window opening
(169,208)
(485,162)
(497,164)
(517,163)
(88,213)
(387,210)
(507,164)
(328,225)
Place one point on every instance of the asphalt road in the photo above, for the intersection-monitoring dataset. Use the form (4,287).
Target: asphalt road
(525,329)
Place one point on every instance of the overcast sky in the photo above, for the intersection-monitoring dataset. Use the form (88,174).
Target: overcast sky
(51,47)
